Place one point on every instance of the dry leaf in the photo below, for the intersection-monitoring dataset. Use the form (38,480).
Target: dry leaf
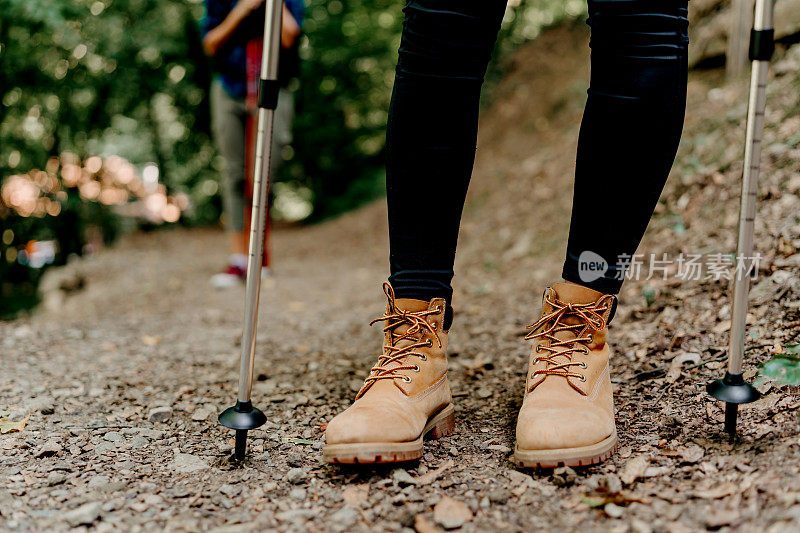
(9,426)
(433,475)
(720,491)
(674,371)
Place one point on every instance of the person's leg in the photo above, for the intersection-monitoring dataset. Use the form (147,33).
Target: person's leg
(630,131)
(431,137)
(629,136)
(228,126)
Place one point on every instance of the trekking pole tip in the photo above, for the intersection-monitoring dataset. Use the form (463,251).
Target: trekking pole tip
(242,417)
(733,390)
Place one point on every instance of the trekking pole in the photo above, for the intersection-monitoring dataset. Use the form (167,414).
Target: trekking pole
(732,388)
(243,416)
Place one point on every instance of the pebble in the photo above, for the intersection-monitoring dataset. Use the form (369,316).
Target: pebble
(450,513)
(114,436)
(484,392)
(297,493)
(230,490)
(344,517)
(188,463)
(84,515)
(402,477)
(159,414)
(200,414)
(295,476)
(48,449)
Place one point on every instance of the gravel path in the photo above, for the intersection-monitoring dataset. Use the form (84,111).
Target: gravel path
(120,384)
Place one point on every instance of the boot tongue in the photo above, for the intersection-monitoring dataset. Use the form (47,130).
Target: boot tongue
(408,304)
(575,294)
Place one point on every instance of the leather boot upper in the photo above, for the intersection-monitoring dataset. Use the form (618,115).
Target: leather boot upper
(407,385)
(568,396)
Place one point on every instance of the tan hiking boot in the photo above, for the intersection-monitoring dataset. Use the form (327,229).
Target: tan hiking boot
(406,395)
(567,416)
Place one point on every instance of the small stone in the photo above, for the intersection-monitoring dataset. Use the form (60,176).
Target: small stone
(55,478)
(139,442)
(297,493)
(98,482)
(48,449)
(295,476)
(564,476)
(611,483)
(450,513)
(153,500)
(86,514)
(104,447)
(159,414)
(484,392)
(613,510)
(499,496)
(200,414)
(344,517)
(187,463)
(402,477)
(114,436)
(230,490)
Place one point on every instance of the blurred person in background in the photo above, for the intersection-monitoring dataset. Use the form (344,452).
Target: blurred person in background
(628,140)
(232,36)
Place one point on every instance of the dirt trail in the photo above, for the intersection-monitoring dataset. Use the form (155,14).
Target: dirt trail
(124,382)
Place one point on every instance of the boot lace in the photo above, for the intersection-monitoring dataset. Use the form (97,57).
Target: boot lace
(560,352)
(393,358)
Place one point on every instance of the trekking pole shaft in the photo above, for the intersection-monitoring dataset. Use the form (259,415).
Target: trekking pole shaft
(747,209)
(269,72)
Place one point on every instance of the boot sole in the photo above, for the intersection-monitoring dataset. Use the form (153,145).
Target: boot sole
(581,456)
(440,425)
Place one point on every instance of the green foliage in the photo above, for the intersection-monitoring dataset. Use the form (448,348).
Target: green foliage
(98,77)
(782,369)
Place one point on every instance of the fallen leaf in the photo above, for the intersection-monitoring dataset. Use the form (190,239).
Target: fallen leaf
(433,475)
(674,371)
(297,440)
(355,495)
(720,491)
(9,426)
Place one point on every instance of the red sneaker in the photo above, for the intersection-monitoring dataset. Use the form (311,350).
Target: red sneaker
(232,277)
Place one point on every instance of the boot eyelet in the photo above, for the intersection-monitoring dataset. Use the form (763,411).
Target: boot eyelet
(423,356)
(582,378)
(438,309)
(408,379)
(430,343)
(538,348)
(591,337)
(583,364)
(586,351)
(416,368)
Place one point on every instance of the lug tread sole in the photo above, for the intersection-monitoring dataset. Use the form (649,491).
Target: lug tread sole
(440,425)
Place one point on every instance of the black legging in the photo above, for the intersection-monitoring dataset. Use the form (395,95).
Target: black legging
(629,135)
